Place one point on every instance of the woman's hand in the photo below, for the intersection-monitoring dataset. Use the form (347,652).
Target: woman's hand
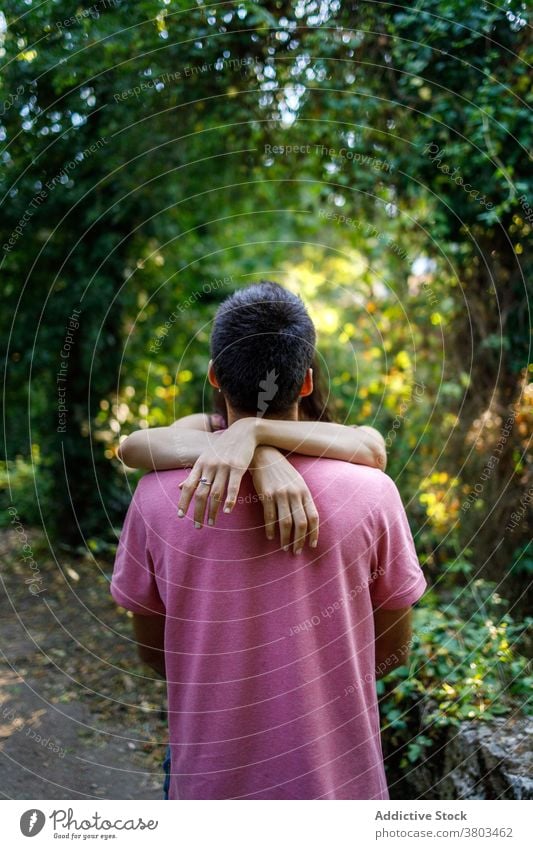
(286,497)
(219,467)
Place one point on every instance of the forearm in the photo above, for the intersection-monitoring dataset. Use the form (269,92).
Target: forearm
(388,662)
(156,661)
(179,447)
(362,445)
(394,637)
(149,632)
(163,448)
(265,455)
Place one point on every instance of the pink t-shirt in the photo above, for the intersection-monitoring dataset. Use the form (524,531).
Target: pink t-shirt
(270,656)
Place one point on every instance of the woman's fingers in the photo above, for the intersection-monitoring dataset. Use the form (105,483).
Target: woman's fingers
(188,488)
(235,478)
(299,520)
(216,495)
(200,502)
(312,521)
(269,511)
(293,510)
(284,520)
(211,491)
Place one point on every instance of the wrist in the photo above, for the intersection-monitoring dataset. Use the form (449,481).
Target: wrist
(259,430)
(250,427)
(262,431)
(265,455)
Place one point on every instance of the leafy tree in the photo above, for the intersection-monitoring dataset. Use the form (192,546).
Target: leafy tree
(327,145)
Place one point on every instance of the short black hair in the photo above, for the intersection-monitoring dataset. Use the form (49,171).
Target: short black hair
(262,344)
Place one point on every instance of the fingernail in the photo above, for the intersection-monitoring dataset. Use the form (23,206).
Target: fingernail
(299,551)
(197,525)
(269,536)
(313,544)
(285,548)
(227,509)
(210,521)
(181,514)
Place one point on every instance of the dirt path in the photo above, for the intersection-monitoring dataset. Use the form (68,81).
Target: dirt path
(79,717)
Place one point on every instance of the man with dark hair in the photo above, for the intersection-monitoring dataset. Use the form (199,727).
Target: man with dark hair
(271,661)
(261,330)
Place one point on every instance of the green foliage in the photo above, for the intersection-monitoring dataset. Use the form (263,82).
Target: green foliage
(20,480)
(153,128)
(465,664)
(150,129)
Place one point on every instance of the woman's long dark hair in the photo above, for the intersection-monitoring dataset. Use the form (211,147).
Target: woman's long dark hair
(316,406)
(313,408)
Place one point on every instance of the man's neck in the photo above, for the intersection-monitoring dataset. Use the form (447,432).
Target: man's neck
(289,415)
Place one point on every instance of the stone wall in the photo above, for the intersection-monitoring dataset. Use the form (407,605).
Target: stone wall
(477,760)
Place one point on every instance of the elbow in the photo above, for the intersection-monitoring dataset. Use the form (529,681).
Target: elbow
(377,448)
(370,455)
(126,452)
(373,451)
(380,457)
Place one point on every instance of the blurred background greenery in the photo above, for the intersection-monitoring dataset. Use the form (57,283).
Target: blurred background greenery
(158,155)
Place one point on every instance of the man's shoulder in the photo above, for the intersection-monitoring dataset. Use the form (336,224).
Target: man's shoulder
(350,474)
(155,485)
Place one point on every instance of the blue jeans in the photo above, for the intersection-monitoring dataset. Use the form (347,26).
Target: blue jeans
(166,770)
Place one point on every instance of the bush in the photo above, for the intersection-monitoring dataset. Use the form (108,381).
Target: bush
(25,485)
(465,664)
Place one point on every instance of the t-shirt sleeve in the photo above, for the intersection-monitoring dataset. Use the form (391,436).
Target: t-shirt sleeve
(398,580)
(133,584)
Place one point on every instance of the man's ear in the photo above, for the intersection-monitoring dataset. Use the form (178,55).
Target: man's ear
(307,385)
(211,376)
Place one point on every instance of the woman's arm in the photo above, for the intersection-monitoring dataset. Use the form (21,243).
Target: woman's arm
(286,500)
(222,465)
(284,493)
(174,447)
(180,445)
(363,445)
(283,490)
